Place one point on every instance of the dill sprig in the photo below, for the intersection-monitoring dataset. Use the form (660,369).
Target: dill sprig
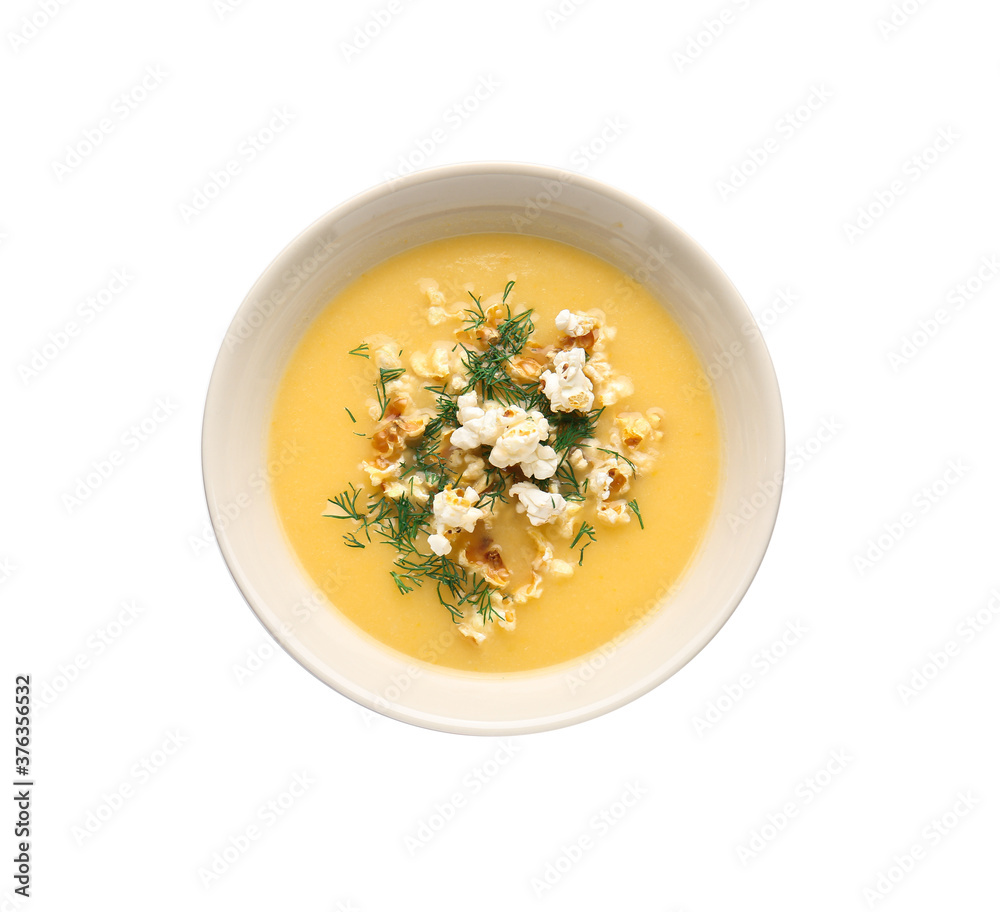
(476,316)
(398,521)
(634,507)
(490,496)
(496,485)
(481,595)
(428,462)
(487,369)
(618,455)
(427,458)
(385,376)
(569,484)
(452,582)
(400,582)
(588,531)
(447,411)
(534,398)
(361,351)
(448,576)
(572,428)
(347,503)
(351,416)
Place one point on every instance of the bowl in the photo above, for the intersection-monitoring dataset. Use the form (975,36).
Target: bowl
(465,199)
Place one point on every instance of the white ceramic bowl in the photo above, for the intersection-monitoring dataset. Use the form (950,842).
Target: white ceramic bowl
(466,199)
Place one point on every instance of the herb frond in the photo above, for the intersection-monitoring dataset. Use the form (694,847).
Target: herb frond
(618,455)
(496,485)
(588,531)
(634,507)
(566,478)
(534,398)
(572,428)
(428,462)
(361,351)
(347,503)
(385,376)
(449,577)
(401,583)
(398,521)
(447,412)
(476,318)
(487,369)
(481,595)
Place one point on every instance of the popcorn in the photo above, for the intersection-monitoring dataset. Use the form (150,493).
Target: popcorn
(525,368)
(434,295)
(567,387)
(468,409)
(609,476)
(634,428)
(473,626)
(574,323)
(608,387)
(432,366)
(514,435)
(387,356)
(540,506)
(381,470)
(393,489)
(520,444)
(543,562)
(453,511)
(614,512)
(616,389)
(483,556)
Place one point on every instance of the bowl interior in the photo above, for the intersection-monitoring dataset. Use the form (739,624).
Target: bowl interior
(463,200)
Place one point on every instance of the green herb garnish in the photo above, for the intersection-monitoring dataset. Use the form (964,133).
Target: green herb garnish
(618,455)
(590,532)
(572,428)
(347,503)
(634,506)
(487,369)
(566,477)
(400,583)
(385,376)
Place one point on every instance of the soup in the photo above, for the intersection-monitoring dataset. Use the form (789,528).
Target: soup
(497,451)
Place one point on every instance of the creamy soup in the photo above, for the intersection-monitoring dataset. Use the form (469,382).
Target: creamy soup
(498,452)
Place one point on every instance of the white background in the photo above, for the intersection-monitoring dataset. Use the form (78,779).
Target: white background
(602,88)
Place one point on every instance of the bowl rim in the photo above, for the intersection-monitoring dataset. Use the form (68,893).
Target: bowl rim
(554,720)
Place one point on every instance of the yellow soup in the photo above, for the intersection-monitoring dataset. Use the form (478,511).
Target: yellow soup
(327,413)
